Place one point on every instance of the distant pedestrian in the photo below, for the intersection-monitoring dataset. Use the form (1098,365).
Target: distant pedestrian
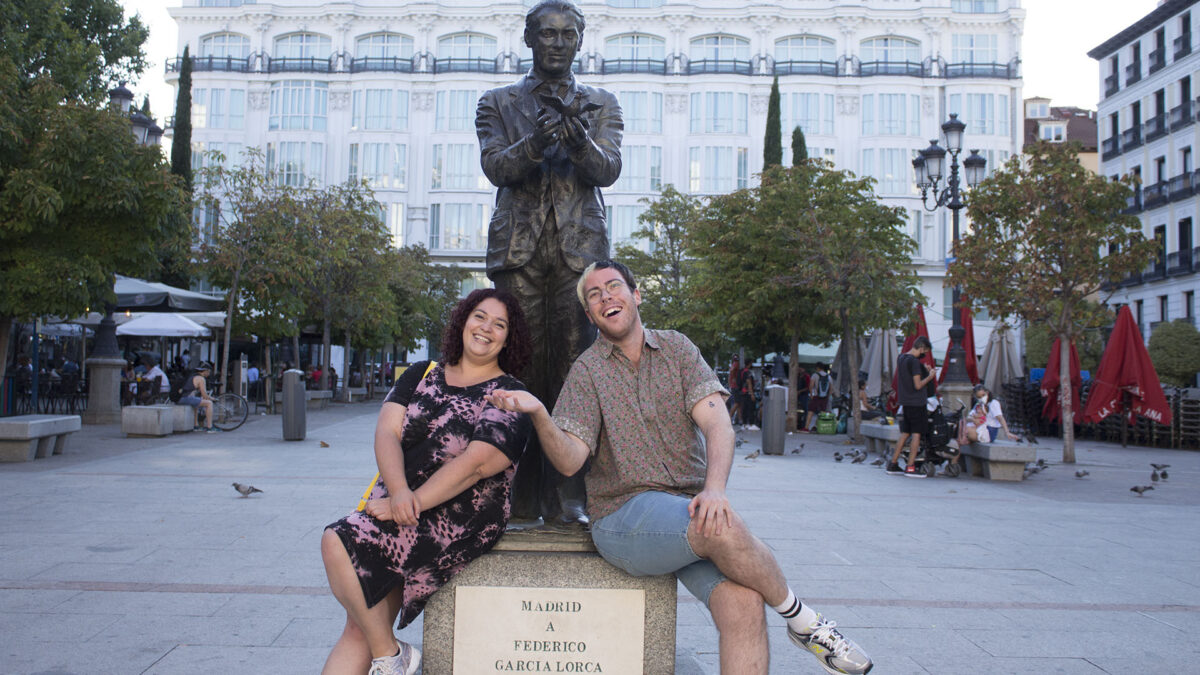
(819,385)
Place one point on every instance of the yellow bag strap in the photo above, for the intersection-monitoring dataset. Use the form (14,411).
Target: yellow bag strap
(362,502)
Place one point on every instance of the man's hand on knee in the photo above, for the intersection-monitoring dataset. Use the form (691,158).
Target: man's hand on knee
(711,513)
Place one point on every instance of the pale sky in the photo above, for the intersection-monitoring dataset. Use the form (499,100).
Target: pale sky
(1058,35)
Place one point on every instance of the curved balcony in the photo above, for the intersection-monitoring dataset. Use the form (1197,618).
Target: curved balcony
(299,64)
(464,65)
(1182,262)
(619,66)
(394,64)
(872,68)
(1155,195)
(204,64)
(1155,127)
(1131,138)
(1181,116)
(827,68)
(998,70)
(1110,147)
(706,66)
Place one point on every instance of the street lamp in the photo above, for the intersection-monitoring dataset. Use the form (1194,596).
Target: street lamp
(928,168)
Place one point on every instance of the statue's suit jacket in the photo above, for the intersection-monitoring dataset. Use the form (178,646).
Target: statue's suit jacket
(530,187)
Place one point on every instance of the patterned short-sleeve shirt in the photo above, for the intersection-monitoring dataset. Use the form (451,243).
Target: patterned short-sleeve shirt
(637,420)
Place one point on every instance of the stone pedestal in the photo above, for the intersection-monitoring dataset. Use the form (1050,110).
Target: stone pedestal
(104,390)
(955,394)
(545,601)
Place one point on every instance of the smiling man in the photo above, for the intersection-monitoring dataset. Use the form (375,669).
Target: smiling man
(633,403)
(548,143)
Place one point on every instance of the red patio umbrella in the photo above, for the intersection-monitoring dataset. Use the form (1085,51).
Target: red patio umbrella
(893,403)
(1050,383)
(1126,367)
(968,346)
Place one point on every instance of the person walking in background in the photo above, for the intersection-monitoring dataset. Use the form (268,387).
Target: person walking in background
(734,383)
(819,384)
(914,419)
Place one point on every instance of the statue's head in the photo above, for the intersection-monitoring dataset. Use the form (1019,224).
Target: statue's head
(554,31)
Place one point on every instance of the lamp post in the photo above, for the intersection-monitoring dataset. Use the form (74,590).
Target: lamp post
(929,167)
(105,364)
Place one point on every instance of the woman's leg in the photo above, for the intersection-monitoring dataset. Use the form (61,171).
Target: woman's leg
(368,633)
(972,433)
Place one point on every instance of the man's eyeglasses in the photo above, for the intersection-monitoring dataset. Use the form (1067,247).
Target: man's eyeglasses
(613,287)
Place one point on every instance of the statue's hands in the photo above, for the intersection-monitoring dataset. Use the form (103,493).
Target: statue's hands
(545,133)
(574,133)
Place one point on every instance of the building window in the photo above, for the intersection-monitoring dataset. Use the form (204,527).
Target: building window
(813,113)
(1039,110)
(1055,133)
(720,48)
(719,112)
(457,227)
(383,46)
(225,45)
(974,48)
(642,111)
(296,163)
(467,46)
(455,110)
(715,170)
(456,167)
(622,223)
(983,113)
(891,50)
(635,47)
(382,165)
(891,114)
(807,48)
(891,169)
(237,108)
(641,169)
(635,4)
(302,46)
(1189,304)
(974,6)
(299,104)
(395,223)
(371,109)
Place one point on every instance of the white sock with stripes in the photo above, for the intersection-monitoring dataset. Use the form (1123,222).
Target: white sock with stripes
(799,616)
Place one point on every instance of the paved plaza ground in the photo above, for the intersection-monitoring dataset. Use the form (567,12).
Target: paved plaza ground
(137,556)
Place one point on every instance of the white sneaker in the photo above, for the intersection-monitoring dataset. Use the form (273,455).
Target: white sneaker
(404,663)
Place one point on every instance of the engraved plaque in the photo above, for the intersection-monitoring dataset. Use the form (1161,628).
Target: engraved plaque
(548,630)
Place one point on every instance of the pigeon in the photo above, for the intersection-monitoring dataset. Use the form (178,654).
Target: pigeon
(1080,474)
(795,451)
(878,462)
(1041,463)
(1141,489)
(1160,467)
(837,457)
(1163,474)
(245,490)
(1154,476)
(753,455)
(737,443)
(1031,438)
(324,444)
(859,459)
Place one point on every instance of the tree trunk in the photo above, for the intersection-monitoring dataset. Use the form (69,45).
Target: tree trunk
(266,380)
(346,369)
(326,339)
(296,347)
(793,416)
(6,323)
(233,292)
(1064,399)
(852,355)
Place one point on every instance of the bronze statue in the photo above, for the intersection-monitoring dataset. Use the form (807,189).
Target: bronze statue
(549,144)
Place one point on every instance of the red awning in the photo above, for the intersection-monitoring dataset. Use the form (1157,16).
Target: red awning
(1050,383)
(1126,367)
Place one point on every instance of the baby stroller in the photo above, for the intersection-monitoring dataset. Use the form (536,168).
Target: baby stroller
(936,447)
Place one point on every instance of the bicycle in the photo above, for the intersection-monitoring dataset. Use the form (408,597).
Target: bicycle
(229,411)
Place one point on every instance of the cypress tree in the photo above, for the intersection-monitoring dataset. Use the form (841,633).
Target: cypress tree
(181,145)
(773,139)
(799,147)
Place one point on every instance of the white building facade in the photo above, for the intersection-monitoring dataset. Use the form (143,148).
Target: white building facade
(1148,128)
(386,90)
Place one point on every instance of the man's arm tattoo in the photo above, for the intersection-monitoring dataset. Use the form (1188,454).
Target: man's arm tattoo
(711,404)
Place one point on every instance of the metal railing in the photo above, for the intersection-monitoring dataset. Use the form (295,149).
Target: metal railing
(1181,262)
(381,64)
(1155,127)
(1183,45)
(1133,203)
(1155,195)
(1131,137)
(735,66)
(1111,85)
(1133,72)
(1158,60)
(981,70)
(1110,147)
(299,64)
(1181,186)
(618,66)
(478,64)
(828,68)
(1181,116)
(872,68)
(1156,270)
(203,64)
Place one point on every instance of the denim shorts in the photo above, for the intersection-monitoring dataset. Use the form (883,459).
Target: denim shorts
(648,536)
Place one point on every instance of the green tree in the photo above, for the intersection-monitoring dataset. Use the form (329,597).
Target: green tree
(256,245)
(79,200)
(1093,319)
(1037,228)
(176,247)
(773,137)
(181,143)
(799,146)
(1175,351)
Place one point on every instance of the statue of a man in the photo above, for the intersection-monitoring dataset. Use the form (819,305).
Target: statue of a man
(549,144)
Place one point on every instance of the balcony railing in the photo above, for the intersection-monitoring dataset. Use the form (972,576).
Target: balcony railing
(300,64)
(1181,261)
(1133,72)
(203,64)
(1183,46)
(1181,116)
(1133,203)
(617,66)
(1155,270)
(478,64)
(981,70)
(806,68)
(871,68)
(1131,138)
(1155,127)
(1155,195)
(735,66)
(1158,60)
(1111,85)
(381,64)
(1181,186)
(1132,280)
(1110,147)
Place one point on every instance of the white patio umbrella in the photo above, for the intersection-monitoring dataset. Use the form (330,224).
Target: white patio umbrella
(164,324)
(1001,361)
(880,362)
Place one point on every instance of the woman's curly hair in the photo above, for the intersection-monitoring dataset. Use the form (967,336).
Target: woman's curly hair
(515,355)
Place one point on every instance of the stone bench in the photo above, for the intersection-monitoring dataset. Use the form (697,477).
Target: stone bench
(881,438)
(998,460)
(357,393)
(25,437)
(545,601)
(148,420)
(317,399)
